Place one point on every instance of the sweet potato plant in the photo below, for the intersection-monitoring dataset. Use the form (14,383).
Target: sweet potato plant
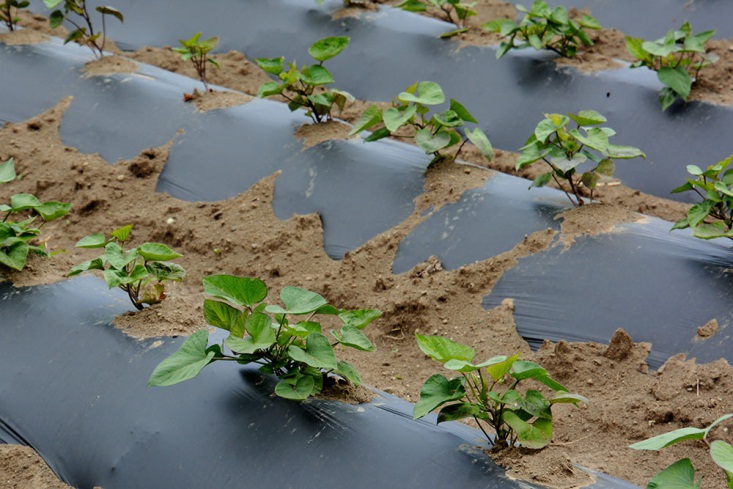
(284,340)
(18,238)
(488,392)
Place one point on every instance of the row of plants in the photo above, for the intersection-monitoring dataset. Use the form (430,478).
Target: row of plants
(677,57)
(287,342)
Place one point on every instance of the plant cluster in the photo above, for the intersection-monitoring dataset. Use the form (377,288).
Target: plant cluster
(433,133)
(677,58)
(16,237)
(304,87)
(564,150)
(8,12)
(713,217)
(140,272)
(681,474)
(544,28)
(198,53)
(285,341)
(452,11)
(487,392)
(77,14)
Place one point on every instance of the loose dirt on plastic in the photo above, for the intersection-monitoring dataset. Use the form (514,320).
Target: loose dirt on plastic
(242,236)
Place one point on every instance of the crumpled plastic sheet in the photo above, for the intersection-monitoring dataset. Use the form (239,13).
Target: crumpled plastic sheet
(74,388)
(391,49)
(659,287)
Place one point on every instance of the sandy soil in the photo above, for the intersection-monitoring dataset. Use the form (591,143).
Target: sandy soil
(628,402)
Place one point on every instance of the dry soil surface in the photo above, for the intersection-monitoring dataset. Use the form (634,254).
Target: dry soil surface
(242,236)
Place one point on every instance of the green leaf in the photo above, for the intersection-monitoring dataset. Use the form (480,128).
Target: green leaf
(261,335)
(107,10)
(316,75)
(606,167)
(241,291)
(380,133)
(370,117)
(594,138)
(667,97)
(223,316)
(348,372)
(318,352)
(328,48)
(566,164)
(479,139)
(359,318)
(679,475)
(677,79)
(353,337)
(666,439)
(699,212)
(165,270)
(297,301)
(156,252)
(458,411)
(722,454)
(95,264)
(427,93)
(7,171)
(536,404)
(186,363)
(544,129)
(431,143)
(588,118)
(22,202)
(542,180)
(624,152)
(270,88)
(443,349)
(563,397)
(56,18)
(589,179)
(531,435)
(122,233)
(710,231)
(435,392)
(96,240)
(523,369)
(499,369)
(274,66)
(395,118)
(15,255)
(50,211)
(634,46)
(297,389)
(462,112)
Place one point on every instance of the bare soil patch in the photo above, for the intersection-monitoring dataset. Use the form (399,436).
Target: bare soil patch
(242,236)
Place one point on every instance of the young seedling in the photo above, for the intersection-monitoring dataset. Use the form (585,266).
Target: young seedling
(285,341)
(681,474)
(564,149)
(305,87)
(433,133)
(713,217)
(677,58)
(544,28)
(487,392)
(16,237)
(452,11)
(141,271)
(198,52)
(9,10)
(77,14)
